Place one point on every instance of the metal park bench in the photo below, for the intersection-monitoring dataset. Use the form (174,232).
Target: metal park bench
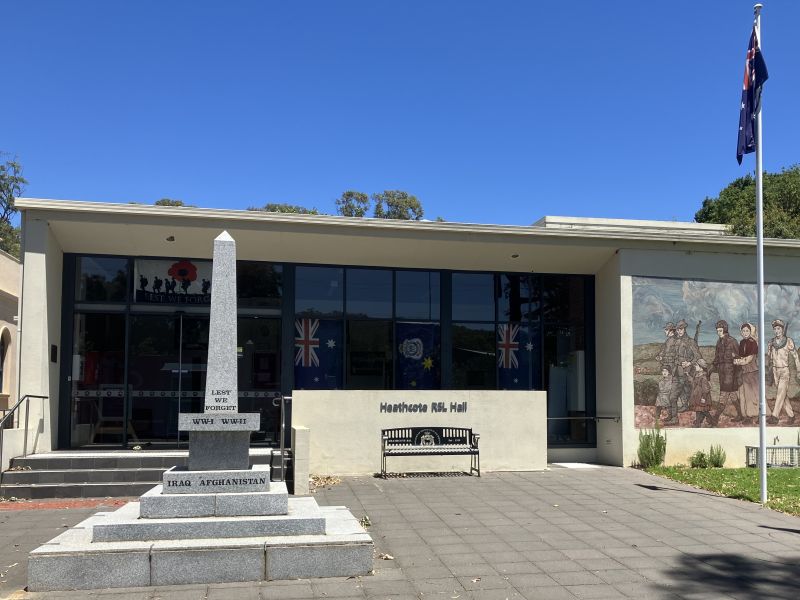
(430,441)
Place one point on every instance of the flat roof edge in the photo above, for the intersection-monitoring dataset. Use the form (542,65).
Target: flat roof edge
(622,233)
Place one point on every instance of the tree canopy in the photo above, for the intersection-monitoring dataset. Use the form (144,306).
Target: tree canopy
(12,183)
(285,208)
(172,202)
(397,204)
(352,204)
(736,205)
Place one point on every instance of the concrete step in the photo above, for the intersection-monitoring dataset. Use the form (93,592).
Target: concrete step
(111,460)
(115,473)
(303,518)
(75,490)
(83,476)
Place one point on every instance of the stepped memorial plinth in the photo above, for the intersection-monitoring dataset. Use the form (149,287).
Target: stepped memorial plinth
(220,519)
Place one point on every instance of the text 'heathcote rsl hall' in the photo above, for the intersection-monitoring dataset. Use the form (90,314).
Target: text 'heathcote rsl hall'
(567,336)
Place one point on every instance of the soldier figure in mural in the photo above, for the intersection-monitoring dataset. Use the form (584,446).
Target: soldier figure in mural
(779,349)
(664,390)
(666,356)
(157,283)
(143,283)
(747,376)
(687,353)
(701,401)
(206,285)
(725,355)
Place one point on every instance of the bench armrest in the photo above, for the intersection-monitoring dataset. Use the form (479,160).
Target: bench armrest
(476,437)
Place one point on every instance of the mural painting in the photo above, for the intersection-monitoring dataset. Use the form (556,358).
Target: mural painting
(696,355)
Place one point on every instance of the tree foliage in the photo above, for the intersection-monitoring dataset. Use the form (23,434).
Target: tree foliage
(172,202)
(397,204)
(352,204)
(736,205)
(12,183)
(285,208)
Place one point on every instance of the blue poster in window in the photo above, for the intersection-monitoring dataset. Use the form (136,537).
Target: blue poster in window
(514,352)
(318,354)
(418,356)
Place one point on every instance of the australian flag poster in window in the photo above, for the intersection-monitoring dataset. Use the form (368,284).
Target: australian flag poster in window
(418,356)
(318,354)
(514,351)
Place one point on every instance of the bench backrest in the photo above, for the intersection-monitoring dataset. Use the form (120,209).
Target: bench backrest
(427,436)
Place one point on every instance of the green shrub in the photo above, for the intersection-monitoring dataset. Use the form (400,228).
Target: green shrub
(652,448)
(716,456)
(698,460)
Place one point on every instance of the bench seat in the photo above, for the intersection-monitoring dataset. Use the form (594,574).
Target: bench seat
(431,441)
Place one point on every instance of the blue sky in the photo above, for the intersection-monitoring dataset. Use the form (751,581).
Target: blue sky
(490,112)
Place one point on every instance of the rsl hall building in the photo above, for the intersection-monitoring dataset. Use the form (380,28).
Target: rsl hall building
(555,342)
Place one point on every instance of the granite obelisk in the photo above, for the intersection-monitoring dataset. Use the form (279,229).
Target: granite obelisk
(219,438)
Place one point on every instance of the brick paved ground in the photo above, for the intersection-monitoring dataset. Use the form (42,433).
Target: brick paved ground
(564,533)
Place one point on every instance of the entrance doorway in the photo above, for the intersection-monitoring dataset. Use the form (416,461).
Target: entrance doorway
(134,373)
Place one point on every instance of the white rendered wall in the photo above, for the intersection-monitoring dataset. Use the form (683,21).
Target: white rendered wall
(345,428)
(40,322)
(729,266)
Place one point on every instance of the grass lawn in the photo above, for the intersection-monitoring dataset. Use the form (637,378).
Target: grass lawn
(783,485)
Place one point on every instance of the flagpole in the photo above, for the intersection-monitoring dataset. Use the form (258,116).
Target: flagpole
(762,390)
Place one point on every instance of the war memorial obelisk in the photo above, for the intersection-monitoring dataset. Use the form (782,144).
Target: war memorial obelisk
(220,519)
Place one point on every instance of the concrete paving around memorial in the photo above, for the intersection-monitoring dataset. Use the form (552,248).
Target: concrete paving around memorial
(563,533)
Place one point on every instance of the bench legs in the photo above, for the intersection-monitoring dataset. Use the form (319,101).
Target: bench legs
(474,464)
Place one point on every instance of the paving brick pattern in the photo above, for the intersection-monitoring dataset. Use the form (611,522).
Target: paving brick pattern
(563,533)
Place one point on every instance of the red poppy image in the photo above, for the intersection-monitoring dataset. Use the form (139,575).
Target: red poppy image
(183,271)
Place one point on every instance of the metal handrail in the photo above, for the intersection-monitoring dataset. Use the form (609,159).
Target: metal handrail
(283,400)
(10,415)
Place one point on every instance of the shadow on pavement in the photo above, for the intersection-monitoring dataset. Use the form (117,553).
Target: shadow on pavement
(740,576)
(780,529)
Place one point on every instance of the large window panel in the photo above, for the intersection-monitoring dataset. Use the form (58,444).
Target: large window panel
(474,350)
(563,298)
(369,355)
(259,369)
(473,297)
(369,293)
(318,347)
(101,279)
(565,381)
(518,299)
(319,291)
(97,379)
(419,356)
(417,295)
(258,284)
(515,357)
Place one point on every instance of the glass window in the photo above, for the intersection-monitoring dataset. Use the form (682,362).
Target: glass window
(259,343)
(369,355)
(101,279)
(563,298)
(417,295)
(369,293)
(474,350)
(98,378)
(259,284)
(172,281)
(473,297)
(419,365)
(318,354)
(518,298)
(318,291)
(515,354)
(565,381)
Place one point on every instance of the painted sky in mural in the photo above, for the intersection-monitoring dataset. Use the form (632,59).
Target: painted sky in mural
(659,301)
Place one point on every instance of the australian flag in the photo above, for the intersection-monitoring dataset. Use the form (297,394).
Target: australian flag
(514,350)
(755,74)
(418,356)
(318,354)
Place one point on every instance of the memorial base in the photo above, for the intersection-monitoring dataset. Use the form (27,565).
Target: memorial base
(213,450)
